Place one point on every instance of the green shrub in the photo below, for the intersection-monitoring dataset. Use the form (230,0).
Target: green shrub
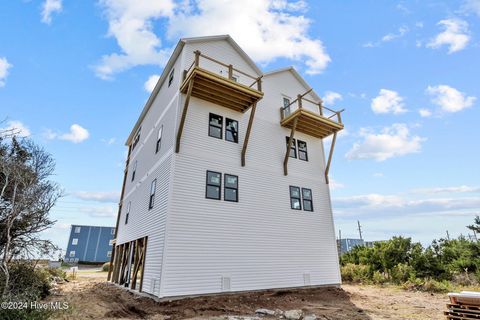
(379,277)
(106,266)
(401,273)
(356,273)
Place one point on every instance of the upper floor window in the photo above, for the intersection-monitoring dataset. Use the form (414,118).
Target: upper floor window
(286,107)
(293,147)
(307,199)
(72,254)
(286,102)
(77,229)
(231,130)
(134,169)
(214,185)
(302,150)
(74,241)
(127,213)
(112,231)
(153,188)
(215,126)
(295,198)
(136,139)
(159,139)
(170,77)
(231,188)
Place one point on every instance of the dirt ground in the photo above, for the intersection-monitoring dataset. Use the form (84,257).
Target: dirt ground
(90,297)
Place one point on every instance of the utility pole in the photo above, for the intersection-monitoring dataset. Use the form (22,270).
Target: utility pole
(359,229)
(339,234)
(448,235)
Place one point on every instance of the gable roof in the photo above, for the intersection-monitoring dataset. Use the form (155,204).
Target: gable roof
(176,53)
(297,76)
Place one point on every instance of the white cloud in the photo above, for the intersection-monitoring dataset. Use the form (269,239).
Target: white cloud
(50,7)
(265,29)
(97,196)
(425,113)
(378,175)
(392,36)
(330,97)
(17,128)
(437,190)
(449,99)
(334,184)
(151,82)
(455,35)
(4,66)
(99,211)
(471,6)
(388,101)
(77,134)
(109,141)
(391,142)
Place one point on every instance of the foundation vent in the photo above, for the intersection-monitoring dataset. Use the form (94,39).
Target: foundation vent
(225,283)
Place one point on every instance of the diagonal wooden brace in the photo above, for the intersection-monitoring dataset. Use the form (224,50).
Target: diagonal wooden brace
(332,146)
(184,115)
(290,141)
(247,134)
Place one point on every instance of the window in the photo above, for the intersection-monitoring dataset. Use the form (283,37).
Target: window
(109,254)
(110,243)
(72,254)
(286,107)
(136,139)
(302,150)
(159,139)
(293,148)
(307,199)
(77,229)
(134,170)
(214,185)
(128,211)
(295,198)
(153,187)
(74,241)
(231,130)
(286,102)
(112,231)
(231,188)
(170,77)
(215,126)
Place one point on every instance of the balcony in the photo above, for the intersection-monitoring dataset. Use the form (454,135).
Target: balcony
(227,86)
(311,117)
(224,88)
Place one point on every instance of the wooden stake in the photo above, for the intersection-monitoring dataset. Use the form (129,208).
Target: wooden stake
(145,241)
(247,134)
(184,115)
(289,146)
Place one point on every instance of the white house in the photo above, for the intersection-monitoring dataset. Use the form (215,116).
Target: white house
(212,201)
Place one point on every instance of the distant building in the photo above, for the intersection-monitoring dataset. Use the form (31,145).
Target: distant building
(345,245)
(89,244)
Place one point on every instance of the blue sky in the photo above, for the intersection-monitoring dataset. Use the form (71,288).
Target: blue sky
(74,76)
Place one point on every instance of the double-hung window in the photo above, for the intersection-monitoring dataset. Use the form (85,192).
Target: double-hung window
(170,77)
(159,139)
(302,150)
(293,147)
(127,213)
(134,170)
(307,199)
(215,126)
(231,188)
(136,140)
(231,130)
(153,188)
(74,241)
(286,107)
(214,185)
(77,229)
(295,198)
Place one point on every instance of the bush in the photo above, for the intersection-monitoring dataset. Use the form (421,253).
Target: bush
(379,277)
(106,266)
(356,273)
(401,273)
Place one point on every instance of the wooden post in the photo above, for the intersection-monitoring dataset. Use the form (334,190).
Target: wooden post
(259,83)
(145,241)
(289,146)
(230,72)
(197,58)
(111,263)
(330,157)
(299,100)
(247,134)
(133,277)
(184,115)
(320,109)
(339,117)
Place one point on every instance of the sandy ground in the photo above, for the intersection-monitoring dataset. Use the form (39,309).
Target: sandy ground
(90,297)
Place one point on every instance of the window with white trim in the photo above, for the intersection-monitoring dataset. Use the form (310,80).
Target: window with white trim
(170,77)
(77,229)
(109,254)
(127,213)
(159,139)
(134,169)
(74,241)
(72,254)
(153,188)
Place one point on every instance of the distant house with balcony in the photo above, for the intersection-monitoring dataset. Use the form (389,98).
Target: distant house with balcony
(226,180)
(89,244)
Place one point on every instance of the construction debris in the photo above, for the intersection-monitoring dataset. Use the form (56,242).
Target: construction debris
(464,305)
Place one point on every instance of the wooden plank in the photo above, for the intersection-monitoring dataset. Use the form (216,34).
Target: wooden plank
(289,146)
(184,116)
(247,134)
(216,100)
(145,241)
(133,277)
(215,85)
(228,93)
(111,263)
